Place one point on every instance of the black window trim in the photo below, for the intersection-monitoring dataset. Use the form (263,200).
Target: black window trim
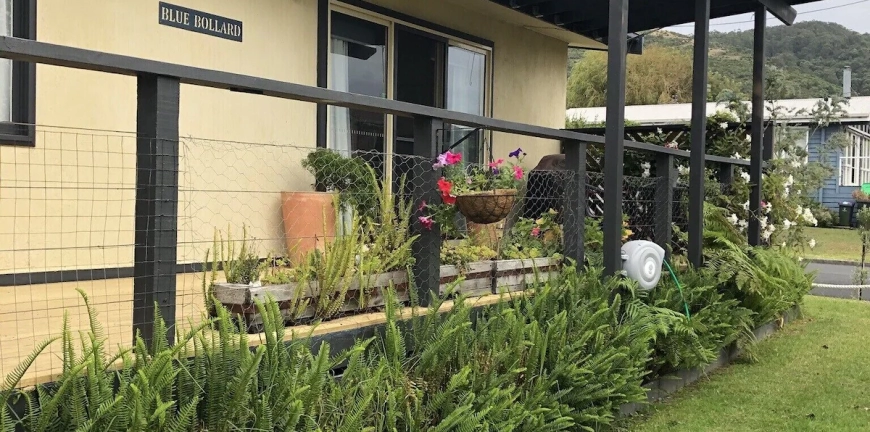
(21,131)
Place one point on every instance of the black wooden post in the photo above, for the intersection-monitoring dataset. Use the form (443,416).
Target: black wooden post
(574,212)
(427,248)
(726,174)
(699,133)
(156,219)
(755,152)
(769,142)
(667,179)
(614,136)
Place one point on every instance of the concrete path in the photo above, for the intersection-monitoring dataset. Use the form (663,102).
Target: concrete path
(835,274)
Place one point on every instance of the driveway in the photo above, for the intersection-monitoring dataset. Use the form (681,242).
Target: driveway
(834,274)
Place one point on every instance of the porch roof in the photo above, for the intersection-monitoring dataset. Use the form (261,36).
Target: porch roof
(589,17)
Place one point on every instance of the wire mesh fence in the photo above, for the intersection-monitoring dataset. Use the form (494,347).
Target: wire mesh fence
(322,232)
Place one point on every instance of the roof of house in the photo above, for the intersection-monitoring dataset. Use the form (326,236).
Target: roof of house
(795,110)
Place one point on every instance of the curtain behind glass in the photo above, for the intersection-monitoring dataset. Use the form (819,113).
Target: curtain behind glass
(339,79)
(5,65)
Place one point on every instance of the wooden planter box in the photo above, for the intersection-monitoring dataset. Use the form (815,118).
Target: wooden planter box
(492,277)
(517,275)
(477,280)
(240,299)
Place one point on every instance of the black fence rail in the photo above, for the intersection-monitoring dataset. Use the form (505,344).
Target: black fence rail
(179,201)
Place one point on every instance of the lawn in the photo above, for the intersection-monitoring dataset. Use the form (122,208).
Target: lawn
(835,244)
(812,376)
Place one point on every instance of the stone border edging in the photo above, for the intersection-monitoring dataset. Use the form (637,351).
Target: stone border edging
(670,384)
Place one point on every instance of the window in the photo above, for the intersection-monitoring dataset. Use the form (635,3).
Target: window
(854,164)
(17,79)
(380,53)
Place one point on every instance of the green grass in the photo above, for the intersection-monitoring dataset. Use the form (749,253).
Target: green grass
(834,244)
(812,376)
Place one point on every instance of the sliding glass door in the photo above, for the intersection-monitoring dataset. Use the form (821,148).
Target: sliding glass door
(466,77)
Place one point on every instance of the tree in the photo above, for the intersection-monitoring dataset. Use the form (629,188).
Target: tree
(661,75)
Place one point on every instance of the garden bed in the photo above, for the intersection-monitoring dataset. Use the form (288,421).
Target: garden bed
(296,300)
(673,382)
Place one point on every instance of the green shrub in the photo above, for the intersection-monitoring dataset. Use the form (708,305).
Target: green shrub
(566,358)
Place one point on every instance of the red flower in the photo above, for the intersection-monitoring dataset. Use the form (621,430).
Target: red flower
(444,186)
(453,158)
(518,172)
(536,232)
(494,165)
(427,222)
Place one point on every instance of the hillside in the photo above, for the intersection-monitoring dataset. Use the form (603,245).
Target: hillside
(810,55)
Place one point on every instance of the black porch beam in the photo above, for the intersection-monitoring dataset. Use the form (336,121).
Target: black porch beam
(614,138)
(755,152)
(699,133)
(781,10)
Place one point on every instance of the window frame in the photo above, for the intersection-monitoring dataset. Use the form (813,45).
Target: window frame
(21,130)
(392,19)
(854,160)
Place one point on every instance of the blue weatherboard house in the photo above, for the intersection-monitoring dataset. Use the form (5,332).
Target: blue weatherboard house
(852,164)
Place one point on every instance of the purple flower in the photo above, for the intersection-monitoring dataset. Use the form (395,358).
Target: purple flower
(516,153)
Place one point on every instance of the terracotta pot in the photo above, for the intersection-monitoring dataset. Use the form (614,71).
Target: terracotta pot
(309,222)
(487,207)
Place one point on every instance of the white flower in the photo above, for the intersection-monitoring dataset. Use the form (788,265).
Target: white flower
(800,259)
(684,170)
(783,244)
(746,205)
(742,224)
(767,207)
(646,167)
(796,164)
(364,248)
(745,176)
(732,219)
(789,181)
(723,125)
(659,131)
(812,243)
(800,210)
(786,224)
(748,138)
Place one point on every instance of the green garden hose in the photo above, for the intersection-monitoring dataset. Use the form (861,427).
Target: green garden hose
(679,287)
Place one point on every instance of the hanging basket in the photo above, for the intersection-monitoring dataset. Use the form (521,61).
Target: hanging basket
(487,207)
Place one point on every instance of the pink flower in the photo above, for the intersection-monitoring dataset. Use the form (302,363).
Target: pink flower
(536,232)
(422,206)
(518,172)
(452,158)
(494,165)
(427,222)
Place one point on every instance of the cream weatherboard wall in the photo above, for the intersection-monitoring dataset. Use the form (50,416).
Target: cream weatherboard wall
(68,202)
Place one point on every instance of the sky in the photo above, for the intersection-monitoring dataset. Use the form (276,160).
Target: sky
(853,14)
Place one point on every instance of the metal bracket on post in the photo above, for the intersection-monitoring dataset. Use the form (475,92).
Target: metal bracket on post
(156,218)
(667,179)
(427,249)
(574,212)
